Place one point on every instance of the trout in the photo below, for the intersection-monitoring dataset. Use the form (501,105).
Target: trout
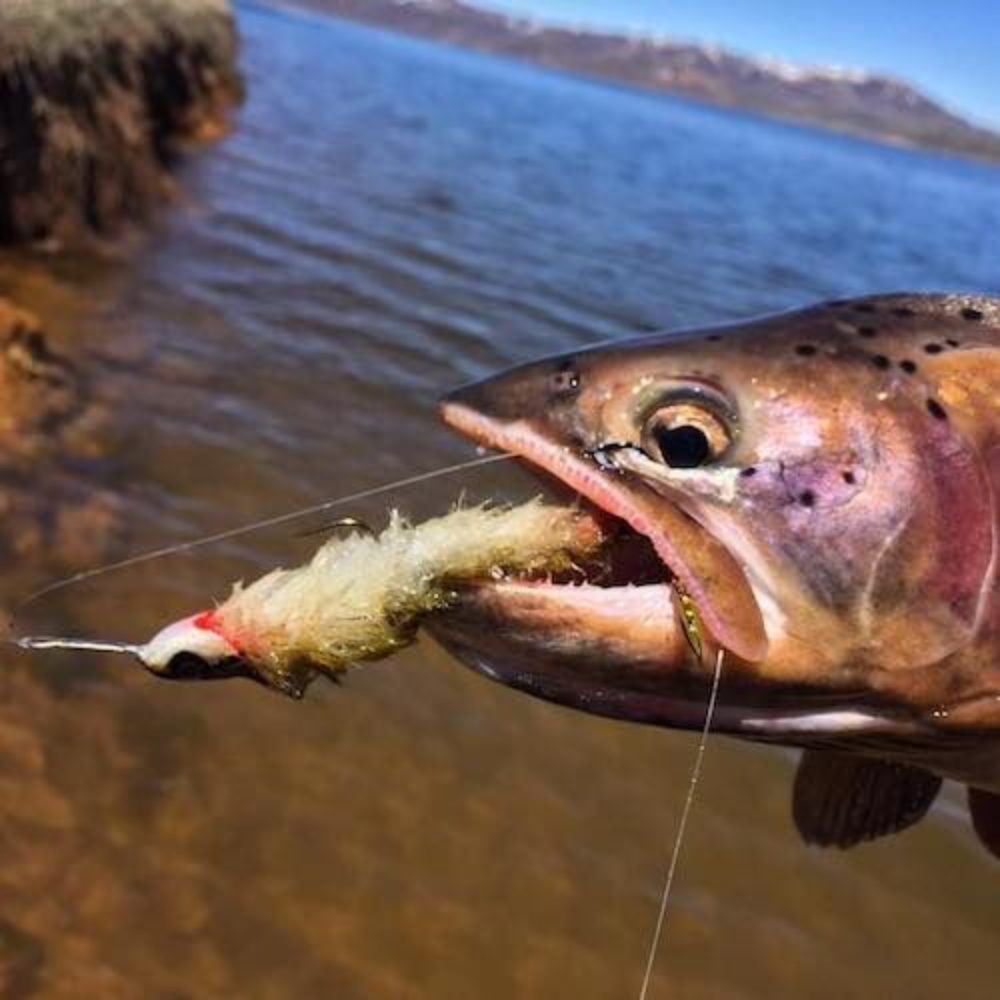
(815,493)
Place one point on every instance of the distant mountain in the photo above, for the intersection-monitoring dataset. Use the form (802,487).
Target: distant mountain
(845,99)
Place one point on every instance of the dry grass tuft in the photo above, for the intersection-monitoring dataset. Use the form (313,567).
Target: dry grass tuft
(97,97)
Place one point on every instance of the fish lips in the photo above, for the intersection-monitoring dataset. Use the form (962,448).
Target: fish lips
(607,651)
(704,567)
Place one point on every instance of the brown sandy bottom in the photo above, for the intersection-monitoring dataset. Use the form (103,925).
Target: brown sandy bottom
(170,842)
(50,521)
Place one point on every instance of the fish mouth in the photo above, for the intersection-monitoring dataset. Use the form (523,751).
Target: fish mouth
(615,638)
(682,549)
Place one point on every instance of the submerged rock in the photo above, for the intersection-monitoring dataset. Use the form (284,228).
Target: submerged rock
(48,423)
(97,97)
(39,389)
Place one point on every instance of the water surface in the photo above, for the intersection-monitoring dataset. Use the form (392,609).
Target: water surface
(388,219)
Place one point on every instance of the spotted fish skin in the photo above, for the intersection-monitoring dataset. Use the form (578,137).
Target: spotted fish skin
(932,614)
(878,480)
(842,547)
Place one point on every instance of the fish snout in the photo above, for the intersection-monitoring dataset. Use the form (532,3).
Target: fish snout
(536,392)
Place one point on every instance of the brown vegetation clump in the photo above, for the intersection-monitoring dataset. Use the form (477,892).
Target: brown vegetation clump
(97,97)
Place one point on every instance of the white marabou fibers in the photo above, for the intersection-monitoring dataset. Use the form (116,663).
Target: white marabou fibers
(361,597)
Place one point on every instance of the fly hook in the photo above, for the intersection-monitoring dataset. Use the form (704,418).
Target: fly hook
(341,524)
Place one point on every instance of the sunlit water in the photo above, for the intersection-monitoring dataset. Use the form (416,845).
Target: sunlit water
(388,219)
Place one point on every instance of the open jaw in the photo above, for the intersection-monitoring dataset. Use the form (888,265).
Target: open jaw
(611,639)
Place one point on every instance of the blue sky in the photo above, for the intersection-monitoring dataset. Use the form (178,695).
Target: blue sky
(950,48)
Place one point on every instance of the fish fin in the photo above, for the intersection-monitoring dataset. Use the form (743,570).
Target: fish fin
(984,809)
(840,799)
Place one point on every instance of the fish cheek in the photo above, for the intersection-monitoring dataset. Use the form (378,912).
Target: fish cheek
(824,483)
(823,518)
(923,601)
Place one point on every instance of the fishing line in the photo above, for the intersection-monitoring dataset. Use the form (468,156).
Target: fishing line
(246,529)
(681,828)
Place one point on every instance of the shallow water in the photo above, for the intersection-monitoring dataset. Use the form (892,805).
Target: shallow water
(390,218)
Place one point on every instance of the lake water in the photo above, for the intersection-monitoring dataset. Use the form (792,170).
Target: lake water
(390,218)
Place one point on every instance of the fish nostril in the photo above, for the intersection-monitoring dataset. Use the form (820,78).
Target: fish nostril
(564,382)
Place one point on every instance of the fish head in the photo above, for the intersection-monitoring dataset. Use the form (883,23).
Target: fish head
(811,494)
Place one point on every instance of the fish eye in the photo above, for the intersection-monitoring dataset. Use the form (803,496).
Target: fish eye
(685,435)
